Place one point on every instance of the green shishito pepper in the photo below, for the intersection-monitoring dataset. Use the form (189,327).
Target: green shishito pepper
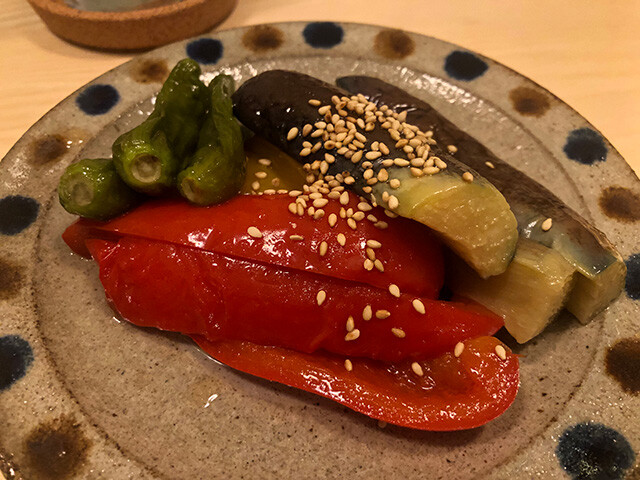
(216,171)
(92,188)
(149,157)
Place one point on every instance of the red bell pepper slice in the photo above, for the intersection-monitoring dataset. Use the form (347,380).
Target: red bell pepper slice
(411,256)
(193,291)
(453,394)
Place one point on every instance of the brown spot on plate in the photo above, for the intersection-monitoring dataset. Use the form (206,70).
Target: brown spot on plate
(56,449)
(262,38)
(623,364)
(48,148)
(11,279)
(149,71)
(530,102)
(620,203)
(393,44)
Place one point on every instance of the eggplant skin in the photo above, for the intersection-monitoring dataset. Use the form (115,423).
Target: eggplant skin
(473,218)
(600,267)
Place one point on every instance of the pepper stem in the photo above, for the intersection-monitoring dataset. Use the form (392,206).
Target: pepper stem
(146,168)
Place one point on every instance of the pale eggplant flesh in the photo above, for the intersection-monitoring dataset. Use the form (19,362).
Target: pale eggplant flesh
(600,270)
(472,217)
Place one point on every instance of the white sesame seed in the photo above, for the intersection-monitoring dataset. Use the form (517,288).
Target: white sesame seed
(417,369)
(324,109)
(342,240)
(352,223)
(382,314)
(329,158)
(394,290)
(368,265)
(254,232)
(348,365)
(547,224)
(269,191)
(378,264)
(452,148)
(398,332)
(390,214)
(372,155)
(315,103)
(305,152)
(296,238)
(401,162)
(322,249)
(373,244)
(261,175)
(293,208)
(364,206)
(371,253)
(333,219)
(440,163)
(255,185)
(418,306)
(317,133)
(321,296)
(381,225)
(350,324)
(293,133)
(457,351)
(358,216)
(394,183)
(490,164)
(434,170)
(318,214)
(393,202)
(383,175)
(344,198)
(501,352)
(352,335)
(320,202)
(467,177)
(372,218)
(367,313)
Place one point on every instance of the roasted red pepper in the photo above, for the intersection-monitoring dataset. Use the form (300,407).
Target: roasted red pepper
(247,299)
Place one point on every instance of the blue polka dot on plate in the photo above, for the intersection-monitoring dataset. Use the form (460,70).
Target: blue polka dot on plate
(17,213)
(464,66)
(632,285)
(15,358)
(592,451)
(205,50)
(323,34)
(585,146)
(97,99)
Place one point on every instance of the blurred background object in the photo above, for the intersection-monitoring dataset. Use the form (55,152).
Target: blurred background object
(130,24)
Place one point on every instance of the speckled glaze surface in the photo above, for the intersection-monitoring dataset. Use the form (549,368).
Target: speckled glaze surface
(83,395)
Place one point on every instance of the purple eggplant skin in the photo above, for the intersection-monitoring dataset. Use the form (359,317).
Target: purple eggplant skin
(585,247)
(274,102)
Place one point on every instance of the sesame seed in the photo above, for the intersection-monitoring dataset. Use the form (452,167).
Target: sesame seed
(383,175)
(352,223)
(350,324)
(368,264)
(325,109)
(382,314)
(329,144)
(349,180)
(261,175)
(373,244)
(305,152)
(401,162)
(367,189)
(390,214)
(255,185)
(394,290)
(318,214)
(269,191)
(293,133)
(440,164)
(333,219)
(343,213)
(381,225)
(467,177)
(402,116)
(398,332)
(296,238)
(452,148)
(316,147)
(344,198)
(417,172)
(434,170)
(546,225)
(489,164)
(364,206)
(254,232)
(342,240)
(393,202)
(367,313)
(417,369)
(372,218)
(501,352)
(394,183)
(417,162)
(378,264)
(372,155)
(320,202)
(348,365)
(293,208)
(300,209)
(322,249)
(315,103)
(329,158)
(321,296)
(264,161)
(457,351)
(317,133)
(358,216)
(352,335)
(371,253)
(418,306)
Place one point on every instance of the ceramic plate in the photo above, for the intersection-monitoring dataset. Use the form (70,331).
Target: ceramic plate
(83,395)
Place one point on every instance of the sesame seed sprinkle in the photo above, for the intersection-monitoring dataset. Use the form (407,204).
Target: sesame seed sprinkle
(350,324)
(296,238)
(490,165)
(394,290)
(314,103)
(501,352)
(348,365)
(321,297)
(254,232)
(322,249)
(352,335)
(368,264)
(293,133)
(342,240)
(398,332)
(393,202)
(467,177)
(457,351)
(382,314)
(373,244)
(547,224)
(418,306)
(417,369)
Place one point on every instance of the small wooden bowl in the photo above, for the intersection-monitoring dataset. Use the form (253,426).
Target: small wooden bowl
(132,29)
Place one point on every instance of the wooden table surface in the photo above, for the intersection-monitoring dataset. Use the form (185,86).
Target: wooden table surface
(587,53)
